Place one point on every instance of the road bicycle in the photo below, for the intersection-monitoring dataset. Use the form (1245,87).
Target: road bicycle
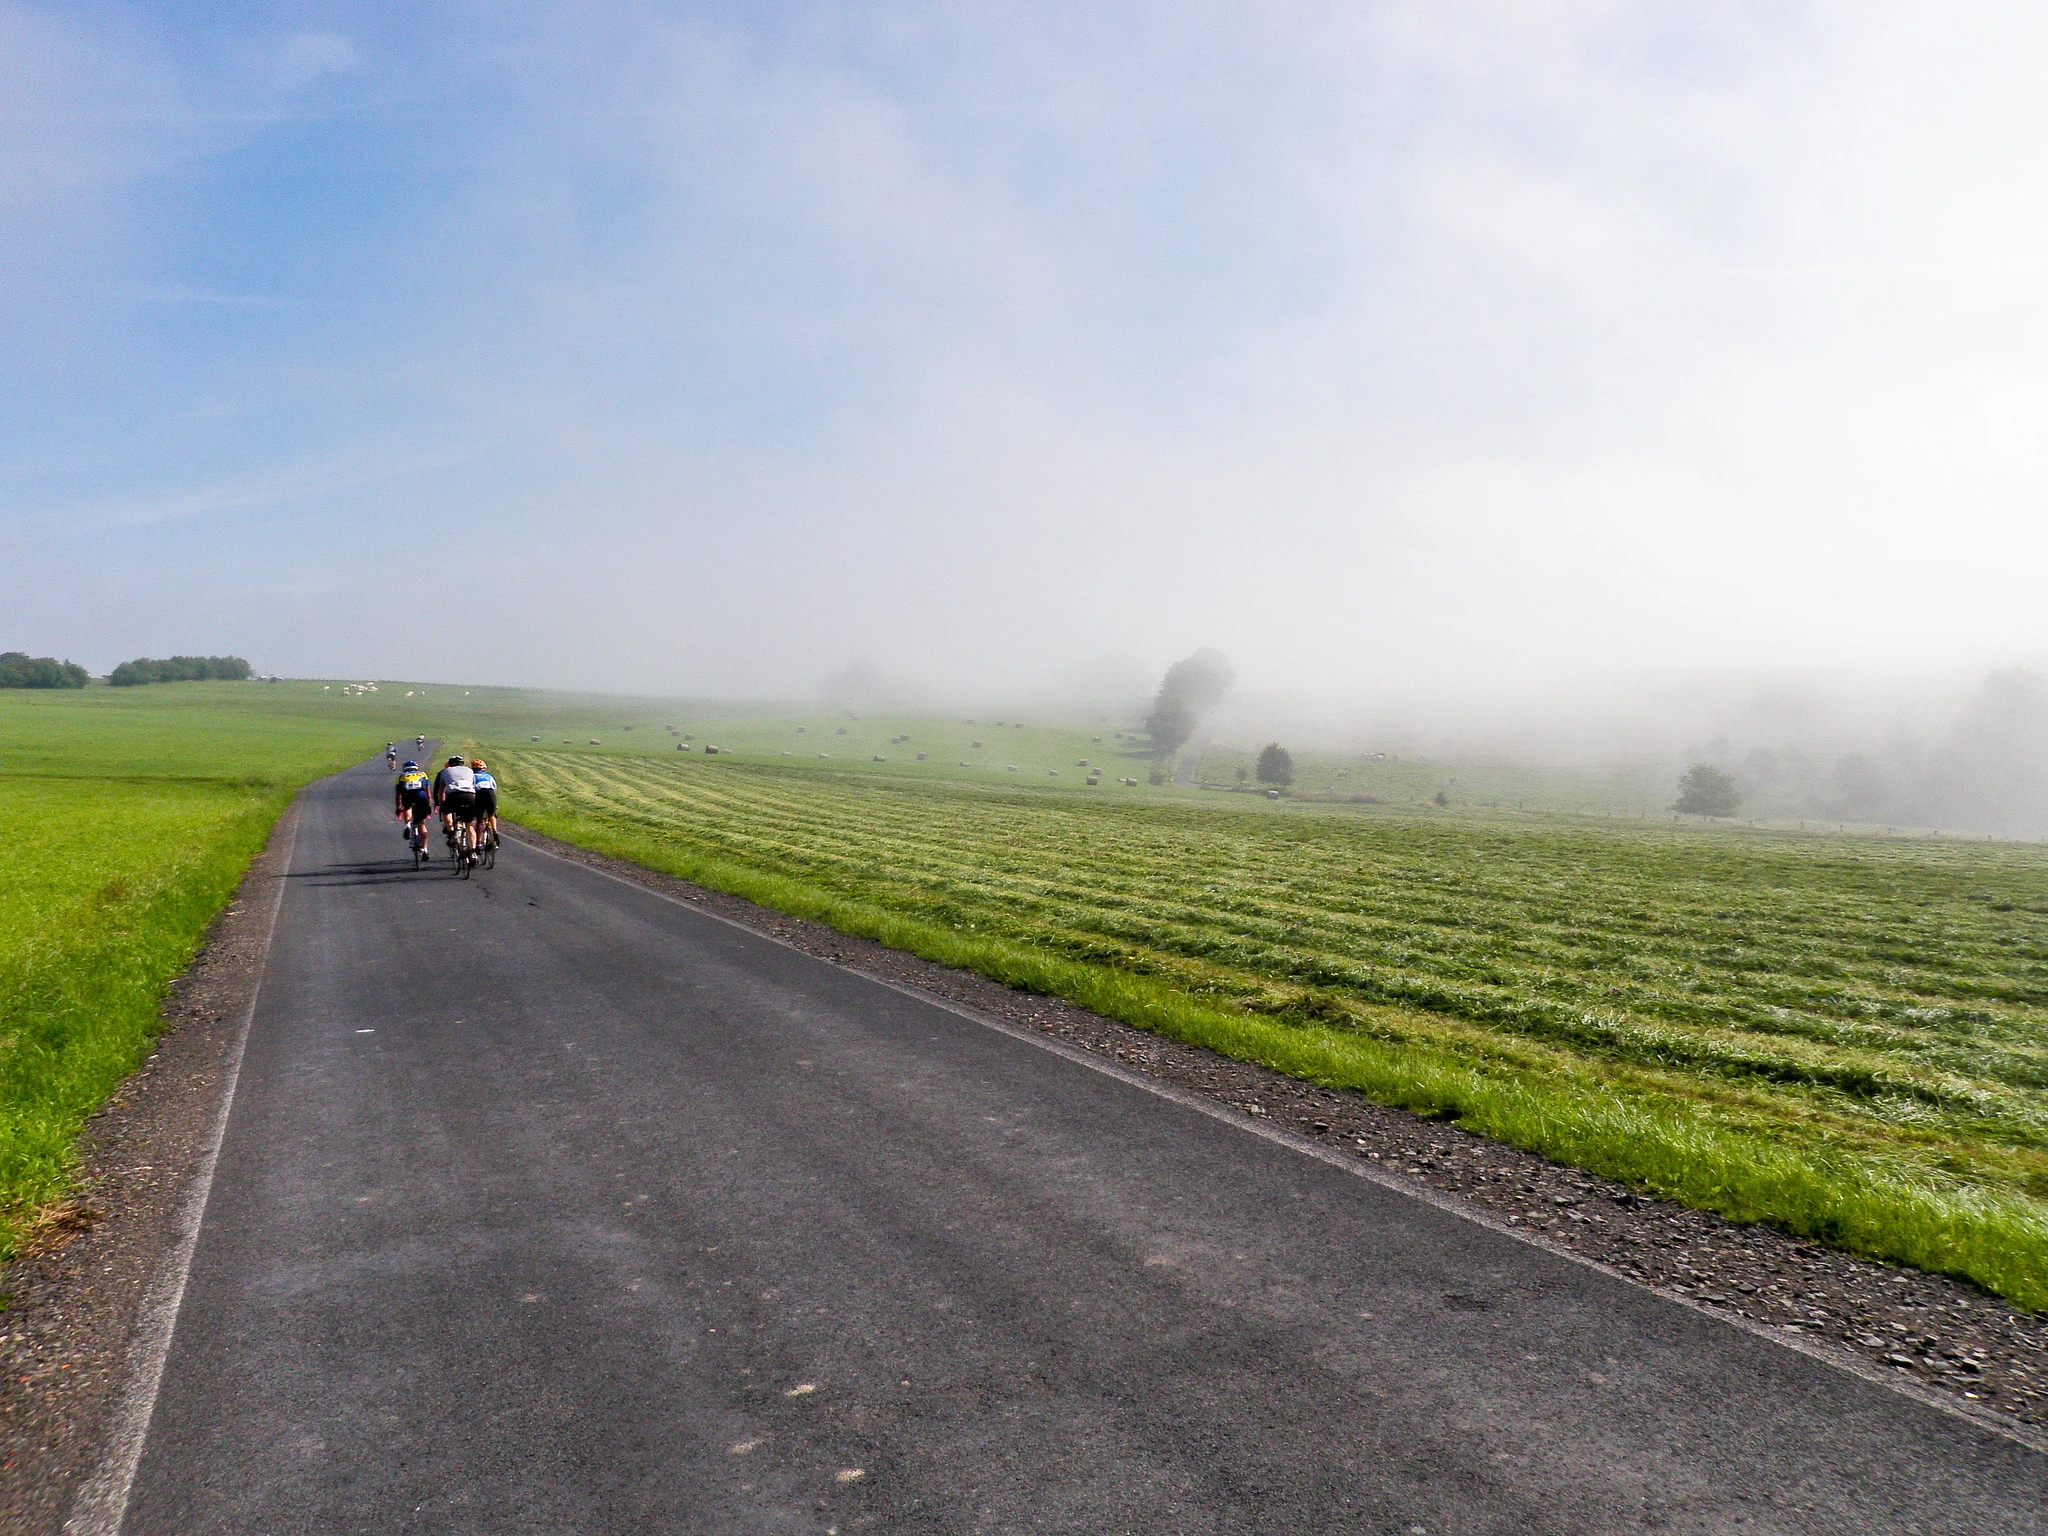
(464,848)
(416,840)
(487,850)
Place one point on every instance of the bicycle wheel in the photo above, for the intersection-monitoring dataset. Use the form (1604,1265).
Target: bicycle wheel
(490,853)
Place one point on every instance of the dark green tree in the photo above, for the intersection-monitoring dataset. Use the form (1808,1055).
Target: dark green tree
(1276,765)
(1191,688)
(1704,790)
(178,669)
(18,669)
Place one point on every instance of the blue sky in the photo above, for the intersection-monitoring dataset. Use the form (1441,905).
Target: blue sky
(1385,347)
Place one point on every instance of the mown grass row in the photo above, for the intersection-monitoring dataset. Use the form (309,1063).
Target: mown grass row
(1869,1039)
(109,889)
(1846,1041)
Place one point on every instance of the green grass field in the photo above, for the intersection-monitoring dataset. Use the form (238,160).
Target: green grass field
(1845,1036)
(109,885)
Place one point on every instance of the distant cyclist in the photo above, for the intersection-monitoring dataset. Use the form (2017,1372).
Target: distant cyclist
(391,756)
(414,792)
(486,803)
(455,794)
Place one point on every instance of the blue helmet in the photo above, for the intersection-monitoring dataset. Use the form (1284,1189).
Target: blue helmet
(409,763)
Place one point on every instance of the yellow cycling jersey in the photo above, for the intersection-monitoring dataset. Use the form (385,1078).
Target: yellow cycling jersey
(413,782)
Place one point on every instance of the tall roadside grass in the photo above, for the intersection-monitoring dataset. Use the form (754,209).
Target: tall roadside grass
(110,888)
(1688,1137)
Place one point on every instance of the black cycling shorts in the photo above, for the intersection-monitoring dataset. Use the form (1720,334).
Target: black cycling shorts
(486,803)
(418,807)
(459,804)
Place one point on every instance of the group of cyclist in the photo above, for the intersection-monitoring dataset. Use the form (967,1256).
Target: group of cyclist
(465,795)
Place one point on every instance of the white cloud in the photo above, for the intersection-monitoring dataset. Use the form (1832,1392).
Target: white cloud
(1370,343)
(295,62)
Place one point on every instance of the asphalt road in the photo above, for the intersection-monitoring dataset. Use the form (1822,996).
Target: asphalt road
(551,1205)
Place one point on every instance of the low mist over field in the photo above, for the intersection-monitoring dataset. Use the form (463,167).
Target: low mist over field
(1966,752)
(1584,385)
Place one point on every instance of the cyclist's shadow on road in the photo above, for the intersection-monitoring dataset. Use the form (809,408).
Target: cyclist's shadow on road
(373,872)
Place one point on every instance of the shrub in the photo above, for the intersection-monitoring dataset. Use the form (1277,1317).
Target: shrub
(1276,765)
(1704,790)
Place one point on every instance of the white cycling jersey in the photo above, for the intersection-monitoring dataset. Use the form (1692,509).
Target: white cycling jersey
(456,779)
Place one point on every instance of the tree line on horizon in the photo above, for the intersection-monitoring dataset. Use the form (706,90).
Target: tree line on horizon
(18,669)
(178,669)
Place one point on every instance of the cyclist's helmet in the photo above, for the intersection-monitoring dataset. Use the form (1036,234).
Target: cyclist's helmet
(476,762)
(410,765)
(454,762)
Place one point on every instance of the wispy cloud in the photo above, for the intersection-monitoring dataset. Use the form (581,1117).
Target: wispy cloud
(172,295)
(295,62)
(274,488)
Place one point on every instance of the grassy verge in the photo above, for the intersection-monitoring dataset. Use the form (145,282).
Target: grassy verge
(93,929)
(1767,1132)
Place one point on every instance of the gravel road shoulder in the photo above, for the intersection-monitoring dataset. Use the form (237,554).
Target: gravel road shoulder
(1944,1337)
(73,1291)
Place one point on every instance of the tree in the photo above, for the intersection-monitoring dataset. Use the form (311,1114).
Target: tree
(1191,688)
(18,669)
(1704,790)
(178,669)
(1276,765)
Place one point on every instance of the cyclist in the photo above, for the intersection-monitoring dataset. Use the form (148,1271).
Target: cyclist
(391,756)
(414,793)
(455,794)
(486,803)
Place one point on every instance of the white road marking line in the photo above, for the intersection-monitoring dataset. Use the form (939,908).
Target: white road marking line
(1841,1360)
(102,1504)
